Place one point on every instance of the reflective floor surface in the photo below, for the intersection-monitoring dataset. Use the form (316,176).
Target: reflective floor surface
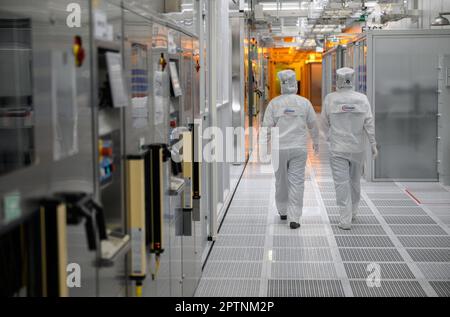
(398,246)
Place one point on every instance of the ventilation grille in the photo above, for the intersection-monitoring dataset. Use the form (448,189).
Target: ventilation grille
(360,219)
(301,255)
(240,241)
(388,196)
(418,230)
(393,203)
(246,220)
(429,255)
(388,289)
(236,254)
(244,230)
(388,271)
(425,242)
(298,270)
(360,230)
(232,270)
(409,220)
(250,203)
(332,203)
(364,241)
(299,242)
(402,211)
(370,255)
(237,210)
(305,288)
(435,271)
(361,210)
(442,288)
(228,288)
(305,230)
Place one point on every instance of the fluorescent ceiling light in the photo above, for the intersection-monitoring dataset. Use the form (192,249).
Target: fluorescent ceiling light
(370,4)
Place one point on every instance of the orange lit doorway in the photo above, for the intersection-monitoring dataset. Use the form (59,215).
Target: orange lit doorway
(308,67)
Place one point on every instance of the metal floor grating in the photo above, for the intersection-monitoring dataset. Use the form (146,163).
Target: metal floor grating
(388,289)
(311,220)
(228,288)
(388,271)
(412,211)
(260,186)
(232,270)
(306,270)
(442,288)
(364,242)
(302,255)
(244,230)
(304,288)
(334,210)
(389,196)
(236,210)
(246,220)
(240,241)
(429,255)
(258,254)
(435,271)
(237,254)
(444,219)
(254,188)
(409,220)
(418,230)
(250,203)
(359,220)
(250,196)
(393,203)
(425,242)
(370,255)
(332,203)
(305,230)
(299,241)
(360,230)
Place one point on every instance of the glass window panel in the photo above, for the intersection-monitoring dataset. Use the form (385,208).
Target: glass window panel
(17,147)
(405,91)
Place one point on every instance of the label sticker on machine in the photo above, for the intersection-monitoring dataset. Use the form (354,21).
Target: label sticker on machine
(137,240)
(100,25)
(187,193)
(118,91)
(11,207)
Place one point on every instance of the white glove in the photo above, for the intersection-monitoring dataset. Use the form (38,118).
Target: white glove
(316,149)
(374,151)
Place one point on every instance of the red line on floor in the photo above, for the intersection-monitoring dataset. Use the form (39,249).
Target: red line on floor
(413,197)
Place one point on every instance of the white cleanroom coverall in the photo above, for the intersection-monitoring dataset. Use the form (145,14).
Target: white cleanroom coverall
(347,117)
(292,115)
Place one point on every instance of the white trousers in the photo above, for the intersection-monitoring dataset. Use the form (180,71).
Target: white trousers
(290,182)
(346,176)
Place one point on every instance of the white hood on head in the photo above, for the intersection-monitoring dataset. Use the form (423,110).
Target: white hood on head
(288,82)
(345,77)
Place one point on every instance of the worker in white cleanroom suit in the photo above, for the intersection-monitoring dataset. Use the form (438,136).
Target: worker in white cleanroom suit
(292,115)
(346,116)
